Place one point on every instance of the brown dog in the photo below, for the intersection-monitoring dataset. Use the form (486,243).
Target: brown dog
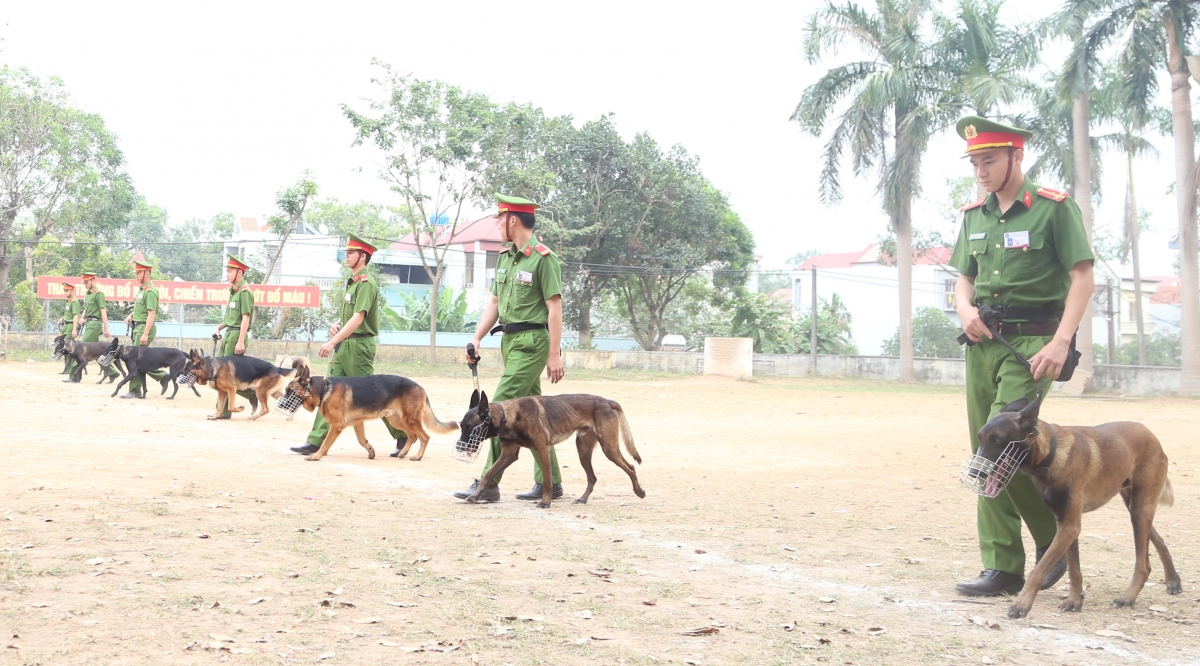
(349,401)
(1076,470)
(230,374)
(539,422)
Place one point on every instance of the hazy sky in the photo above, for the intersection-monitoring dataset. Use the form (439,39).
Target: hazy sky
(219,104)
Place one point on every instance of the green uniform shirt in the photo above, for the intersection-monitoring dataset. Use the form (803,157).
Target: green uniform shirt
(241,302)
(145,302)
(1021,258)
(93,303)
(72,310)
(525,280)
(362,295)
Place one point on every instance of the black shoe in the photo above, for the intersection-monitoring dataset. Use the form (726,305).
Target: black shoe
(992,583)
(307,449)
(130,394)
(68,380)
(1056,572)
(490,494)
(535,493)
(399,445)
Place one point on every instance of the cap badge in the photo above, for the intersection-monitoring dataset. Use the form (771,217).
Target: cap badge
(970,132)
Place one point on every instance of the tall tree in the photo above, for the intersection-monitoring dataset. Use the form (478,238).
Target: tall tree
(898,98)
(292,203)
(1149,35)
(57,164)
(431,136)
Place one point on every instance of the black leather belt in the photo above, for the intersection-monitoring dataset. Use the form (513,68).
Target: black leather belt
(361,335)
(1035,328)
(91,319)
(516,328)
(1030,314)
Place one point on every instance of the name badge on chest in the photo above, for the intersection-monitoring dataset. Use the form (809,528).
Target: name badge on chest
(524,277)
(347,298)
(979,236)
(1016,240)
(232,304)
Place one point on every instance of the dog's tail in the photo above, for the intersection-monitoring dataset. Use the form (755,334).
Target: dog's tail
(626,433)
(294,363)
(431,422)
(1167,497)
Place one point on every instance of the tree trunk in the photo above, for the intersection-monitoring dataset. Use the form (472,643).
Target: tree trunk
(277,330)
(1081,128)
(1185,198)
(1131,219)
(584,301)
(904,264)
(8,301)
(433,314)
(28,250)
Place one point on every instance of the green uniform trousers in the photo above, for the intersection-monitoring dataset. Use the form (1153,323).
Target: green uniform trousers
(525,355)
(91,333)
(135,384)
(66,331)
(229,340)
(354,357)
(994,379)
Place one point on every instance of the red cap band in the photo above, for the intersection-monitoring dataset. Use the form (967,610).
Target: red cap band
(985,140)
(517,208)
(363,247)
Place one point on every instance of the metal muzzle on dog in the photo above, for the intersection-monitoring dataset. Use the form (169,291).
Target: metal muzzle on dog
(468,450)
(187,379)
(291,402)
(59,352)
(107,359)
(989,478)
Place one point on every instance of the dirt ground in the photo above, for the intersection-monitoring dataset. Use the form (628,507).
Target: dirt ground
(787,521)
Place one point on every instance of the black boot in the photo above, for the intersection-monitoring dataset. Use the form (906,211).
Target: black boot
(490,494)
(1056,572)
(535,493)
(400,442)
(992,583)
(307,449)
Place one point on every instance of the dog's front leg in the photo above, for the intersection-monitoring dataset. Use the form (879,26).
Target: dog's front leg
(1067,533)
(262,404)
(222,400)
(361,434)
(543,450)
(1074,601)
(508,455)
(334,431)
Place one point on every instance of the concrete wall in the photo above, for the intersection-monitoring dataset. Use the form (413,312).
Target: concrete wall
(1115,379)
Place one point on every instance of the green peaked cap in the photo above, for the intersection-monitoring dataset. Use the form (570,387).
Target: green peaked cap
(515,204)
(981,134)
(353,242)
(143,264)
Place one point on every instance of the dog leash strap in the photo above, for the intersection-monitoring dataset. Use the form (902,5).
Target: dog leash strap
(1000,338)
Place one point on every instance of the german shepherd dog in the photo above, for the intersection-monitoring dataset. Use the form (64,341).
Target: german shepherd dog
(140,360)
(230,374)
(539,422)
(350,401)
(83,352)
(1079,469)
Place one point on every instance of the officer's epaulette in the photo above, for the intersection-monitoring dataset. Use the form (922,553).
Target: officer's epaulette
(245,287)
(974,204)
(1052,194)
(542,250)
(361,277)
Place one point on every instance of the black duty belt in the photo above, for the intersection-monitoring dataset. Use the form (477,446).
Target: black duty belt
(516,328)
(234,328)
(1029,314)
(1035,328)
(136,322)
(91,319)
(361,335)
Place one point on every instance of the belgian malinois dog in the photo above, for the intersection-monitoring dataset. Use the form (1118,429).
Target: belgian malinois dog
(230,374)
(539,422)
(350,401)
(1079,469)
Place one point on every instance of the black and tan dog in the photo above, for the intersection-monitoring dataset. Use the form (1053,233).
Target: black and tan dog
(230,374)
(140,360)
(350,401)
(84,352)
(1079,469)
(539,422)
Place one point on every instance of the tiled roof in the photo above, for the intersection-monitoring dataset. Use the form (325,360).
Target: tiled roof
(870,255)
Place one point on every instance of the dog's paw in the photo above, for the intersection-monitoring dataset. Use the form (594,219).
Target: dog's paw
(314,457)
(370,454)
(1018,611)
(580,500)
(1122,602)
(543,505)
(1071,605)
(1174,587)
(417,459)
(640,493)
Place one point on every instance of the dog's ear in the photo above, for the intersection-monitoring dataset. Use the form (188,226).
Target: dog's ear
(483,403)
(474,399)
(1016,405)
(302,375)
(1029,415)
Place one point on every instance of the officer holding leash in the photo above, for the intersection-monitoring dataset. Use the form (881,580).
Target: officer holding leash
(70,323)
(140,323)
(239,314)
(95,316)
(1025,271)
(527,301)
(352,340)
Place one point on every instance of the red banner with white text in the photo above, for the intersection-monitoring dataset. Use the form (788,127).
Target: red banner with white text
(189,293)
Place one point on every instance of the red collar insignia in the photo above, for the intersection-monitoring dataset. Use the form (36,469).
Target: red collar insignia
(527,250)
(1028,199)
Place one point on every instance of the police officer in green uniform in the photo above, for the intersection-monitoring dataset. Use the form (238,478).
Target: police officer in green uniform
(141,321)
(1023,249)
(239,314)
(95,316)
(70,324)
(527,301)
(352,340)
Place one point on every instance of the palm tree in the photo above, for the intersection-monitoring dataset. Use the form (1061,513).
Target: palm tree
(1149,34)
(897,98)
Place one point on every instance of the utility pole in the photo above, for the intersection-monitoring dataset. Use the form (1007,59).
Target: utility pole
(813,334)
(1112,350)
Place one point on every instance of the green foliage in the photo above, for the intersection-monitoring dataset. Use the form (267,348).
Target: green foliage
(767,320)
(934,336)
(452,312)
(699,312)
(769,281)
(365,219)
(28,313)
(1162,349)
(833,329)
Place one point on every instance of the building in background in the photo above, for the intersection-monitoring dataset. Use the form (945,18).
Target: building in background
(307,256)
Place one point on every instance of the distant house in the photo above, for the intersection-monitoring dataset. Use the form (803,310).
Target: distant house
(1164,311)
(470,262)
(308,254)
(870,290)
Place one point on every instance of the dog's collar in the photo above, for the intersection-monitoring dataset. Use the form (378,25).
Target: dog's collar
(1049,459)
(497,427)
